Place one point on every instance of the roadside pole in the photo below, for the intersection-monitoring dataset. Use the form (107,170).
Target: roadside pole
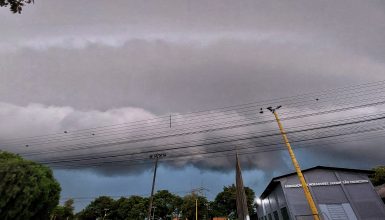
(156,157)
(302,180)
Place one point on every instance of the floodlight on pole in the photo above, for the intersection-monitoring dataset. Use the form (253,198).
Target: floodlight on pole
(156,156)
(301,178)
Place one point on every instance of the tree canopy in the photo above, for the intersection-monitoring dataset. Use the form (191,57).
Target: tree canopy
(99,208)
(132,208)
(225,202)
(65,212)
(167,206)
(378,178)
(28,190)
(188,207)
(16,6)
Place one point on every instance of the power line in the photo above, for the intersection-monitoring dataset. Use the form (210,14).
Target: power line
(209,112)
(347,101)
(130,141)
(268,135)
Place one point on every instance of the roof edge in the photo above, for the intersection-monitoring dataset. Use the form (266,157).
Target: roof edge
(274,181)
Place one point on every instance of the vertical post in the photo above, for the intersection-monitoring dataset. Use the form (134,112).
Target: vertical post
(152,189)
(302,180)
(207,211)
(153,213)
(196,209)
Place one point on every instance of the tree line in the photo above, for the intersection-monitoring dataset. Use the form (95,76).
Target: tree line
(29,191)
(166,206)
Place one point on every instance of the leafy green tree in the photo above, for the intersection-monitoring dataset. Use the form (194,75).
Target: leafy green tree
(132,208)
(15,5)
(166,204)
(188,207)
(69,209)
(28,190)
(225,202)
(99,208)
(58,213)
(378,177)
(65,212)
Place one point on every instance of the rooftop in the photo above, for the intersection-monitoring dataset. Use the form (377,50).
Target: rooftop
(274,181)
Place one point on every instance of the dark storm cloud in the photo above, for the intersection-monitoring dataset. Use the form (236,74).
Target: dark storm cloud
(164,76)
(182,55)
(89,62)
(37,119)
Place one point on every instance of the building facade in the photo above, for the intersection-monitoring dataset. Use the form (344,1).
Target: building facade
(339,193)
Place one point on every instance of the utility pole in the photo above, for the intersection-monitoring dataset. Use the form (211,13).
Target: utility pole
(153,213)
(302,180)
(156,157)
(196,209)
(197,191)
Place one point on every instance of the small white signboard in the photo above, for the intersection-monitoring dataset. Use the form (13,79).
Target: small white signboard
(345,182)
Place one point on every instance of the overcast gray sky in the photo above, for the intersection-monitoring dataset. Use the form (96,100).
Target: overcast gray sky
(77,64)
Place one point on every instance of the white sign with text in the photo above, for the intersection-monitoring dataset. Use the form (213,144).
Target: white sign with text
(345,182)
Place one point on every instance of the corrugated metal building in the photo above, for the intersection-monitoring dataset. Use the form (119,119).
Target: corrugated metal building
(339,193)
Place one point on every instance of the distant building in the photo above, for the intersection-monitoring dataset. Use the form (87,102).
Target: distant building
(339,193)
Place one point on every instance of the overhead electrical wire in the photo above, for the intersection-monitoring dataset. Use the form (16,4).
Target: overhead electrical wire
(127,141)
(112,141)
(210,111)
(328,126)
(295,141)
(197,127)
(380,117)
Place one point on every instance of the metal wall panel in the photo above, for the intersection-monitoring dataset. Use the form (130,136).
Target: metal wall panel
(366,201)
(296,201)
(319,175)
(273,201)
(334,211)
(329,194)
(280,196)
(363,201)
(266,205)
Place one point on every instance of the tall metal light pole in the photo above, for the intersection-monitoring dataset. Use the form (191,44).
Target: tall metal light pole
(302,180)
(195,193)
(196,209)
(156,157)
